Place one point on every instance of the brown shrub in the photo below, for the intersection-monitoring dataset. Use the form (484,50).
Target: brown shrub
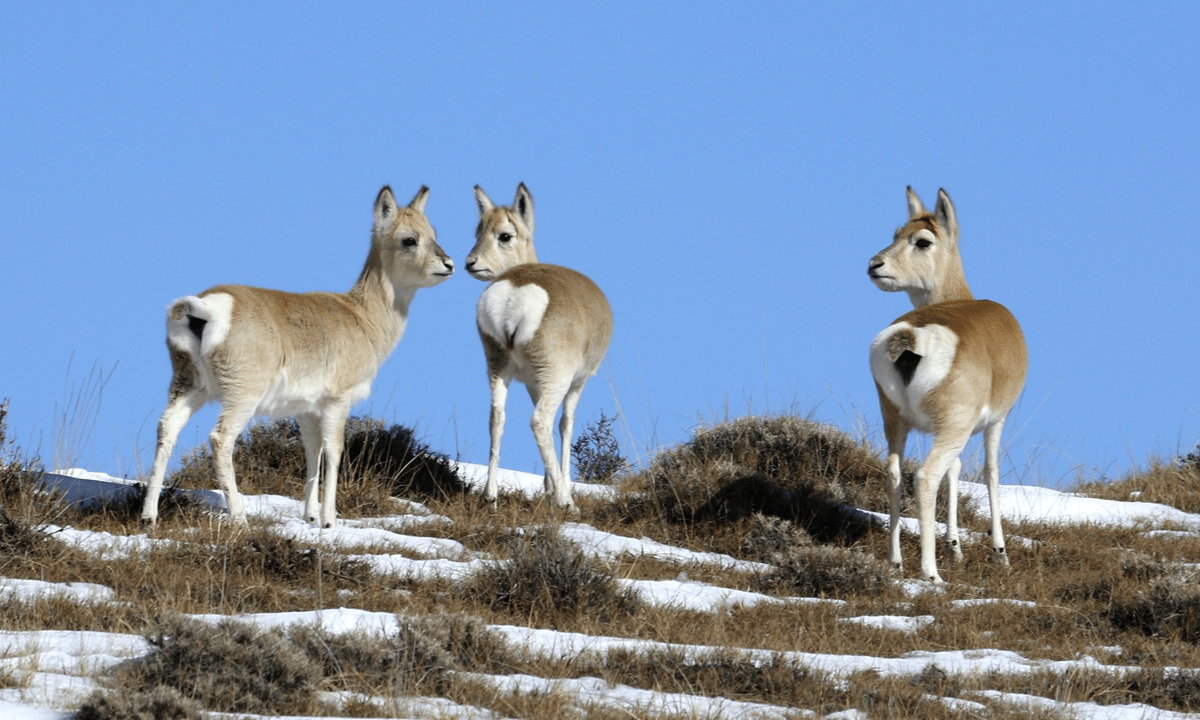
(159,703)
(228,667)
(782,466)
(547,581)
(379,461)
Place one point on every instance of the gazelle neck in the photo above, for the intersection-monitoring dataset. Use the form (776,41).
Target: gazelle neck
(382,302)
(954,287)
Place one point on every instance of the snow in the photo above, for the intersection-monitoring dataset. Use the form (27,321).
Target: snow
(899,623)
(56,670)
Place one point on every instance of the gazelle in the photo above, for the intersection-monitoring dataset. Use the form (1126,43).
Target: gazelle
(545,325)
(312,355)
(952,367)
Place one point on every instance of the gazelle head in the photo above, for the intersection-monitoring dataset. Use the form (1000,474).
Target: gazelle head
(404,245)
(923,258)
(504,237)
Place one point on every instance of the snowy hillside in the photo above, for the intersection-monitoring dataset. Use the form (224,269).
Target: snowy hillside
(51,672)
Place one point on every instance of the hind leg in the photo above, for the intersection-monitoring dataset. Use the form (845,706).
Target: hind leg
(952,538)
(230,424)
(545,407)
(566,429)
(184,399)
(991,470)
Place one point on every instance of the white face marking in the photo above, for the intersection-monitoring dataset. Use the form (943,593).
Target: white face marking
(511,314)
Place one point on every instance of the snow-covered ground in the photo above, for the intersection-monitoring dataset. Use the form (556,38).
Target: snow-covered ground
(58,669)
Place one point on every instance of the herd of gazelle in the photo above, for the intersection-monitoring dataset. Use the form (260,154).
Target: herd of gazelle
(952,367)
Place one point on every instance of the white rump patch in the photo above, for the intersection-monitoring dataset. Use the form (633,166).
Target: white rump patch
(511,314)
(937,345)
(216,310)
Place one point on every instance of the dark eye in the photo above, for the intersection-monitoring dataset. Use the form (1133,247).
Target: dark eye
(408,242)
(505,237)
(924,244)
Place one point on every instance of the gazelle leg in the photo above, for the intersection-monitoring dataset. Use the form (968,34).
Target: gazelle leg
(310,435)
(333,439)
(546,401)
(566,430)
(943,453)
(499,398)
(230,424)
(991,470)
(179,410)
(952,538)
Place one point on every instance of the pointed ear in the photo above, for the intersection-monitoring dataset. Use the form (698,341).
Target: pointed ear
(915,207)
(482,200)
(385,209)
(943,215)
(523,206)
(419,200)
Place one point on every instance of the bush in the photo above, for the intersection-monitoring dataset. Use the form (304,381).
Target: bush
(782,466)
(596,454)
(547,580)
(160,703)
(414,660)
(378,461)
(228,667)
(1171,605)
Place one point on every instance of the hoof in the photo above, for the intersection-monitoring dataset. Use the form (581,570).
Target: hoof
(148,522)
(999,557)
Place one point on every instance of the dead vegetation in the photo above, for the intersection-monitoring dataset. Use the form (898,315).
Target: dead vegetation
(777,490)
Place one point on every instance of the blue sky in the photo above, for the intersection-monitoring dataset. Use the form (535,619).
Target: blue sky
(723,172)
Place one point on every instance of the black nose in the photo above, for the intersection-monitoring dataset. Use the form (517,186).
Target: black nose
(874,265)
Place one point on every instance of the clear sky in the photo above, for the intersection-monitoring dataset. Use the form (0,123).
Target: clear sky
(722,171)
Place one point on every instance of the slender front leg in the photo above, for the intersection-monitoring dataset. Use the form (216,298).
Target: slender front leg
(499,398)
(991,470)
(952,538)
(179,410)
(333,439)
(310,436)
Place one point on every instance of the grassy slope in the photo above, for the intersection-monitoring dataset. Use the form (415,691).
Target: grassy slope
(768,489)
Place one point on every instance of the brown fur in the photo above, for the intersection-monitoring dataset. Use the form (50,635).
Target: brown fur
(311,355)
(983,380)
(566,349)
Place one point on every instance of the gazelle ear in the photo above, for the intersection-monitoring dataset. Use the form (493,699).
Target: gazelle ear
(523,206)
(482,200)
(418,201)
(915,207)
(943,215)
(385,209)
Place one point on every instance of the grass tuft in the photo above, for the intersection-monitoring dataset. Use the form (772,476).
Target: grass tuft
(228,667)
(379,461)
(159,703)
(548,581)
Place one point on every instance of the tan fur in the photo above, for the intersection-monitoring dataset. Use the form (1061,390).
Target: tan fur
(556,360)
(982,381)
(312,355)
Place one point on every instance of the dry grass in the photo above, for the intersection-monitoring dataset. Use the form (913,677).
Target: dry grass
(772,489)
(1175,483)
